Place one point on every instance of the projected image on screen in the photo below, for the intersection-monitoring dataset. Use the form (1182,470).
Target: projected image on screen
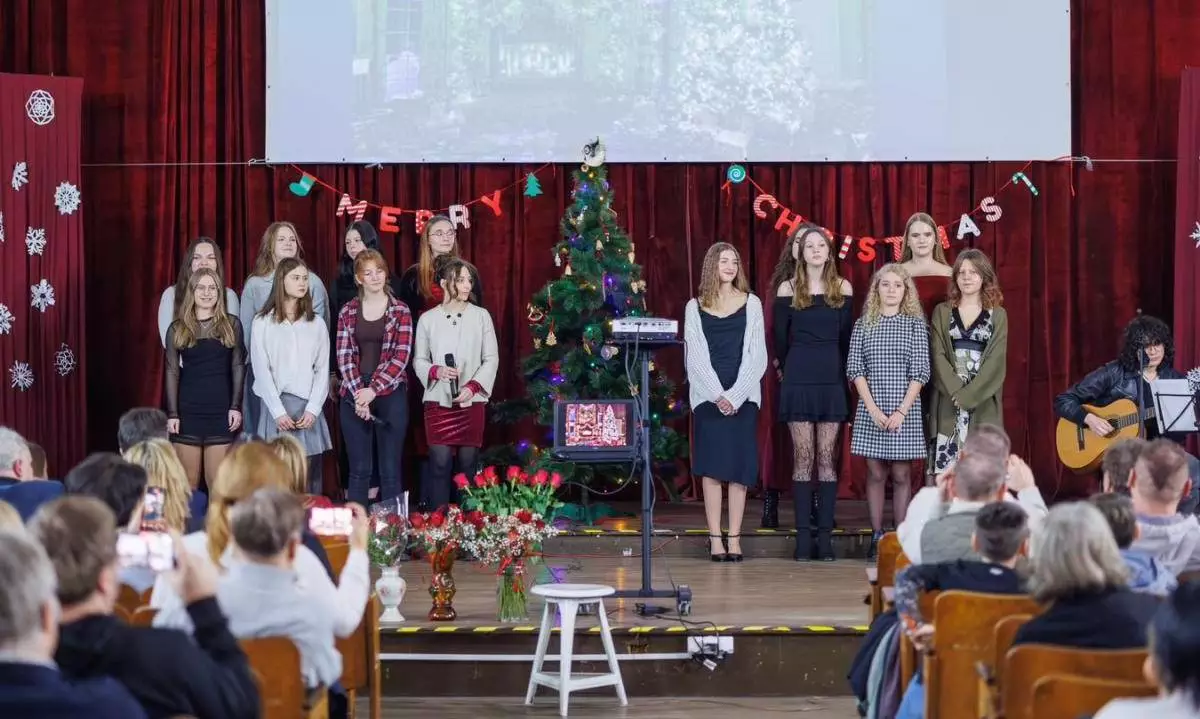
(678,80)
(595,424)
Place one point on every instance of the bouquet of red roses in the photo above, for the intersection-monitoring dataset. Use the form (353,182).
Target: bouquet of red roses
(492,494)
(445,529)
(389,537)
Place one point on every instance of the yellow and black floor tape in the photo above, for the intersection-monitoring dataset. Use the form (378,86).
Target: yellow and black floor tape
(700,532)
(655,630)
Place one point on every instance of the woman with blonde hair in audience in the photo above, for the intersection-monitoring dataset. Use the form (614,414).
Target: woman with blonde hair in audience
(246,469)
(10,518)
(183,509)
(1078,571)
(289,449)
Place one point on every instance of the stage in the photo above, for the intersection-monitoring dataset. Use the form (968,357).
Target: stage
(794,626)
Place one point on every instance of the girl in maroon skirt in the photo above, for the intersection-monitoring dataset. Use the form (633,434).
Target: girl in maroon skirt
(455,359)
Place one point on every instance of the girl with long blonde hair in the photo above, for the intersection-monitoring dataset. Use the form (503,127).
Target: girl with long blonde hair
(164,471)
(888,363)
(248,468)
(289,449)
(205,373)
(280,241)
(812,322)
(726,358)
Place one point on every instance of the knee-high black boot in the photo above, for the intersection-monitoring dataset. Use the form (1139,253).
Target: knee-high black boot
(802,497)
(770,517)
(827,494)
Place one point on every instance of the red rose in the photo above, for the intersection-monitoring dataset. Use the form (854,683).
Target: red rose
(540,525)
(480,481)
(540,477)
(514,474)
(394,520)
(525,516)
(524,477)
(417,521)
(437,519)
(460,480)
(489,472)
(556,480)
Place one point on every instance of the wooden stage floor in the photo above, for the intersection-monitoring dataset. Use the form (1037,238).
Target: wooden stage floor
(762,594)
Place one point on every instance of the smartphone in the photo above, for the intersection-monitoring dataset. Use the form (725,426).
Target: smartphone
(331,521)
(150,550)
(153,505)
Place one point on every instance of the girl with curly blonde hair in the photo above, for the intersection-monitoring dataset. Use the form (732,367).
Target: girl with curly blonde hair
(888,363)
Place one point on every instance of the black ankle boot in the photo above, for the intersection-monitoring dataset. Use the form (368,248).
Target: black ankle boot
(770,518)
(827,500)
(802,498)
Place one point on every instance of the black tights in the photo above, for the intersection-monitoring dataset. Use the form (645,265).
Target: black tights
(441,471)
(804,449)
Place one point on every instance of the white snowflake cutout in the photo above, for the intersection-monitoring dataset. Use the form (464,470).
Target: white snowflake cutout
(22,376)
(64,360)
(40,107)
(20,176)
(1196,235)
(41,295)
(6,320)
(66,198)
(1,227)
(35,240)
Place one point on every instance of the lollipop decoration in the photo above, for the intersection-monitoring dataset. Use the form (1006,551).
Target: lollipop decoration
(736,174)
(1022,177)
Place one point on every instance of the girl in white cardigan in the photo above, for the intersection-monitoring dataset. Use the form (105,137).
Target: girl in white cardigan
(726,358)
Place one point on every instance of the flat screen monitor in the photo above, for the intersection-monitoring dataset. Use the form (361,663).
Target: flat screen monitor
(595,430)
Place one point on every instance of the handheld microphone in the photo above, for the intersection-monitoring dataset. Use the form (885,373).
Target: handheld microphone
(454,382)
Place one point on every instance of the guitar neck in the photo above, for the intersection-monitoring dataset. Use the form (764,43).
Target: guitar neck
(1129,420)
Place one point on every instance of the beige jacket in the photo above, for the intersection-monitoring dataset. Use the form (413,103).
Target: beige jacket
(472,341)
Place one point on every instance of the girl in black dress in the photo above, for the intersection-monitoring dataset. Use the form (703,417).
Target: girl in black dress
(812,323)
(206,365)
(726,359)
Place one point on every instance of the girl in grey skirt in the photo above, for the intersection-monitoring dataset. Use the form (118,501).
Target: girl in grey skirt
(289,353)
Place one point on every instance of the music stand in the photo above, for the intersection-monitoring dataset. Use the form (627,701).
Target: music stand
(1175,406)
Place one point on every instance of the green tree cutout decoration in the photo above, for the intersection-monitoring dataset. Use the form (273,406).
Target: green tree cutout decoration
(533,187)
(570,321)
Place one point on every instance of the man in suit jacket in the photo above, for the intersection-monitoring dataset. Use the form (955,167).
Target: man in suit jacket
(18,486)
(30,683)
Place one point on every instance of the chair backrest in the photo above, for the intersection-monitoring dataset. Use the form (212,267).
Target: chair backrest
(908,651)
(1068,695)
(887,551)
(143,617)
(356,657)
(1003,636)
(275,662)
(902,561)
(1026,663)
(965,624)
(338,550)
(130,599)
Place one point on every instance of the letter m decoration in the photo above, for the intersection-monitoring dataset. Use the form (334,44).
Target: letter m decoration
(346,206)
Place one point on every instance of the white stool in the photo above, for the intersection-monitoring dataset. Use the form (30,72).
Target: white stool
(569,597)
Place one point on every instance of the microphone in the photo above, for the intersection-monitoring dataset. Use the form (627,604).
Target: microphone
(454,382)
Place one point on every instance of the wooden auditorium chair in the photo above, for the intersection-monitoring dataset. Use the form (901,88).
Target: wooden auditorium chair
(964,624)
(143,617)
(1024,665)
(129,600)
(990,672)
(1068,695)
(275,663)
(338,550)
(883,574)
(909,656)
(360,661)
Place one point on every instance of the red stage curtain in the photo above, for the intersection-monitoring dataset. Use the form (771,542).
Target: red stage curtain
(1187,228)
(188,86)
(53,411)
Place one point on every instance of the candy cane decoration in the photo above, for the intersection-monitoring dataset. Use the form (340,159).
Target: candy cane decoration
(845,247)
(1022,177)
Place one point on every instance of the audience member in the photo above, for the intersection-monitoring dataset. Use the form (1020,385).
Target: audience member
(1145,573)
(1001,537)
(246,469)
(259,592)
(18,485)
(37,456)
(292,452)
(140,424)
(184,509)
(1118,464)
(1158,482)
(120,485)
(941,519)
(1173,665)
(30,683)
(10,518)
(1078,570)
(170,673)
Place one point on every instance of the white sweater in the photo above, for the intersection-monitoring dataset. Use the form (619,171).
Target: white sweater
(290,358)
(703,384)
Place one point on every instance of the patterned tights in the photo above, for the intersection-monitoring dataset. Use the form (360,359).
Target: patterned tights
(805,449)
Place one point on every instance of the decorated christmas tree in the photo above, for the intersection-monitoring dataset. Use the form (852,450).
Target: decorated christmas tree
(570,320)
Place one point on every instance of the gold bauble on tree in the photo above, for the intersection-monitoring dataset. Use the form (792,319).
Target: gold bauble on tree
(568,270)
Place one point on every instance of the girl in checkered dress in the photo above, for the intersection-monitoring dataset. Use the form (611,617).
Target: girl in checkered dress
(888,364)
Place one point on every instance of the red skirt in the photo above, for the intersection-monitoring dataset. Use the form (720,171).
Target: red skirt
(455,426)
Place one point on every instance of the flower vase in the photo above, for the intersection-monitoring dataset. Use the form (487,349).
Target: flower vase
(390,589)
(510,592)
(441,586)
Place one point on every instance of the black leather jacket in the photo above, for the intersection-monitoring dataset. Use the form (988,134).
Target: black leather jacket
(1107,384)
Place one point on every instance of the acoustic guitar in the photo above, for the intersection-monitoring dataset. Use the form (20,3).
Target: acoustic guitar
(1081,450)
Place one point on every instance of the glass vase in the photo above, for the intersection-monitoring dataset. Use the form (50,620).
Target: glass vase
(441,586)
(510,593)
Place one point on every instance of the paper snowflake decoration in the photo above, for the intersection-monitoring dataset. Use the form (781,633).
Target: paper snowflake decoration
(66,198)
(6,320)
(1196,235)
(20,175)
(1,227)
(35,240)
(64,360)
(41,295)
(22,376)
(1193,377)
(40,107)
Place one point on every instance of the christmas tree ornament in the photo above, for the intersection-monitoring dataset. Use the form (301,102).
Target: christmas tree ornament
(551,339)
(599,245)
(558,259)
(535,314)
(609,351)
(537,344)
(593,156)
(533,187)
(567,271)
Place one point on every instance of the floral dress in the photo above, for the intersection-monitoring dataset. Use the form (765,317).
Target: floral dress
(969,344)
